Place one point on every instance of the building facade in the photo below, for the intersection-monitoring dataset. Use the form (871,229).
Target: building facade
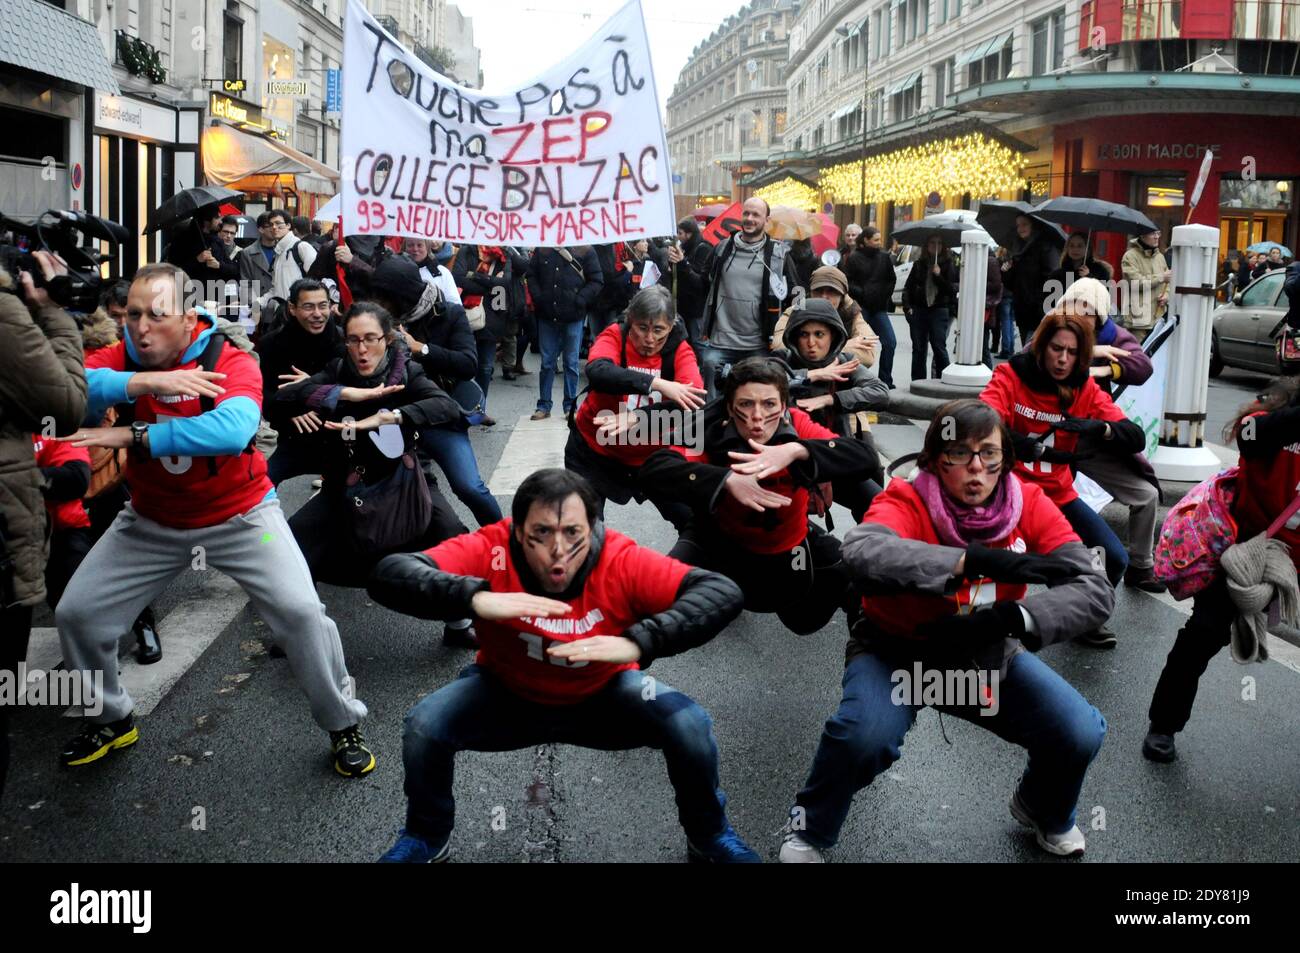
(467,68)
(899,108)
(727,112)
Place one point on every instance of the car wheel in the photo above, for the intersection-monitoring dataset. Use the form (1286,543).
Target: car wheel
(1216,362)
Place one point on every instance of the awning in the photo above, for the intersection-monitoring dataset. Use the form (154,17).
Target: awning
(981,50)
(44,39)
(905,83)
(845,110)
(252,163)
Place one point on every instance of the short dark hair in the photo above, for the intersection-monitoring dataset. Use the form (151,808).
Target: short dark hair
(305,284)
(301,223)
(377,311)
(264,219)
(756,370)
(230,220)
(553,486)
(868,232)
(115,293)
(960,420)
(278,213)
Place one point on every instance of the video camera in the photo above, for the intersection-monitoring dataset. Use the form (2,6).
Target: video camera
(59,232)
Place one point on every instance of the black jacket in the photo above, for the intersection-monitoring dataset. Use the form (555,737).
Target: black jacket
(914,289)
(562,292)
(507,275)
(693,274)
(871,276)
(188,243)
(422,403)
(285,348)
(706,602)
(1031,264)
(1068,273)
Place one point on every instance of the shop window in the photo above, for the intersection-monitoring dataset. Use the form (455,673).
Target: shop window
(1269,59)
(1157,56)
(1261,194)
(32,136)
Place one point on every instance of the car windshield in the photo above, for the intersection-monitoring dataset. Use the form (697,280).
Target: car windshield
(1263,292)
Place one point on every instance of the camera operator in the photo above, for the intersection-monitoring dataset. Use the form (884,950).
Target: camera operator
(42,390)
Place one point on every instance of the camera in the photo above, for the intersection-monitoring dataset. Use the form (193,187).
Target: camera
(60,232)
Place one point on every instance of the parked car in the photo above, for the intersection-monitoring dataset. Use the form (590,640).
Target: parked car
(1245,331)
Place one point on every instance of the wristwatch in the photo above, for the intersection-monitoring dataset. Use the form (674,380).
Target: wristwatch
(138,429)
(424,350)
(398,415)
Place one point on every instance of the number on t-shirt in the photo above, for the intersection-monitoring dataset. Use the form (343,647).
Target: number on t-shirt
(1042,466)
(174,465)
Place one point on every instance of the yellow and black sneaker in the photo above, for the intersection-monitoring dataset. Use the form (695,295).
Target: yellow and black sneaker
(95,741)
(352,758)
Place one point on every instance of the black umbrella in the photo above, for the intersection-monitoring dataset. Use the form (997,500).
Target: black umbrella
(998,217)
(1094,215)
(947,227)
(185,203)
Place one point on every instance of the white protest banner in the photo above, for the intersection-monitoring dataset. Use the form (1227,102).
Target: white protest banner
(1143,405)
(576,157)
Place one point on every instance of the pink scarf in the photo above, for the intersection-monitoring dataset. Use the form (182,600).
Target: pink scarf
(960,525)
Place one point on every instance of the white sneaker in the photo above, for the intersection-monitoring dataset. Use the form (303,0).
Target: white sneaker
(796,850)
(1068,844)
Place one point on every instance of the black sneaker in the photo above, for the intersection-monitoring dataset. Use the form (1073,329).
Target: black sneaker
(148,646)
(95,741)
(352,758)
(1158,747)
(1100,638)
(460,638)
(1144,579)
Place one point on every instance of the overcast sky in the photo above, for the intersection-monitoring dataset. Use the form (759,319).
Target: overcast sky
(551,28)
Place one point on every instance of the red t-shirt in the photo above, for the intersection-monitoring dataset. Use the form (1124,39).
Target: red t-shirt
(1264,489)
(183,492)
(1041,529)
(1031,412)
(628,584)
(68,514)
(771,531)
(685,369)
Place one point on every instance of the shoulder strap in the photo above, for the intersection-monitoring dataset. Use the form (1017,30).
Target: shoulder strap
(297,256)
(1282,517)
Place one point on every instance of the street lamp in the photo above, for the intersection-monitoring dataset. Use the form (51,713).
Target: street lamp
(848,30)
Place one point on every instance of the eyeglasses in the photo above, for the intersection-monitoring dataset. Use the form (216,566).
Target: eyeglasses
(370,340)
(958,456)
(310,308)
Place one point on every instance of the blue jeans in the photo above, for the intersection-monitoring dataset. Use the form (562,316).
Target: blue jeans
(487,357)
(1007,321)
(551,337)
(1038,710)
(712,360)
(450,449)
(477,713)
(1095,531)
(929,328)
(880,323)
(296,456)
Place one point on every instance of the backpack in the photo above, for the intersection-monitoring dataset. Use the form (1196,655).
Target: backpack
(107,464)
(1197,530)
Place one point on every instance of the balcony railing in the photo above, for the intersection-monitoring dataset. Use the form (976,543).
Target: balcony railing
(139,58)
(388,23)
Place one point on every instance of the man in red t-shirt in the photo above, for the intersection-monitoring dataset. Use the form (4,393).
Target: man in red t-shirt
(568,614)
(198,489)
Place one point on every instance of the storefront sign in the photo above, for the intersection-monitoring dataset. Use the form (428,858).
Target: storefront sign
(234,85)
(333,91)
(286,88)
(223,107)
(1154,150)
(131,117)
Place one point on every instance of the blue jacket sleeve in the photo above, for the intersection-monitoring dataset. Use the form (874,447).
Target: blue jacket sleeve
(225,430)
(106,387)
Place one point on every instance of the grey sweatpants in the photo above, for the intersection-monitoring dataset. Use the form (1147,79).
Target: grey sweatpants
(1115,476)
(135,560)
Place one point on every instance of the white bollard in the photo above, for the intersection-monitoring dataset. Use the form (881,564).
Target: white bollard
(969,369)
(1182,454)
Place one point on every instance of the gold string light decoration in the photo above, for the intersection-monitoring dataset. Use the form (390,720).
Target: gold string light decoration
(790,191)
(971,163)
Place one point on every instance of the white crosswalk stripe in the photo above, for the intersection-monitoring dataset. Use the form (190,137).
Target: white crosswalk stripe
(533,445)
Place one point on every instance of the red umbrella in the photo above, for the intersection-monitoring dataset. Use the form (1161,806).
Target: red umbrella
(706,213)
(829,238)
(228,209)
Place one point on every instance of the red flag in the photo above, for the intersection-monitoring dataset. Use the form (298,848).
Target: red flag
(345,293)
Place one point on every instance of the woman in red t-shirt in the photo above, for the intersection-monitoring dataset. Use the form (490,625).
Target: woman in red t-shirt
(1267,432)
(944,562)
(645,386)
(748,488)
(1048,399)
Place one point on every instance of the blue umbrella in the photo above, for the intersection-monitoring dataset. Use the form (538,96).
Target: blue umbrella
(1265,247)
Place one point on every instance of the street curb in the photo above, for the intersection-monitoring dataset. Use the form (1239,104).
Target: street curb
(914,406)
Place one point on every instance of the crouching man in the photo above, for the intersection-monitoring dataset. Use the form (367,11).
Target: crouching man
(568,614)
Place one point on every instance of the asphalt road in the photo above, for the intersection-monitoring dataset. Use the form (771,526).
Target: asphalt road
(230,766)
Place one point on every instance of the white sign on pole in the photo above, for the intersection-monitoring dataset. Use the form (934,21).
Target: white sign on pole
(1143,405)
(286,88)
(576,157)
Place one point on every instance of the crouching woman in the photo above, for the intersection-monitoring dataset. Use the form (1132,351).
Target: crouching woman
(943,563)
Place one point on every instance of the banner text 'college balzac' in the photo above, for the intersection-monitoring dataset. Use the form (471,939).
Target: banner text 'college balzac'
(576,157)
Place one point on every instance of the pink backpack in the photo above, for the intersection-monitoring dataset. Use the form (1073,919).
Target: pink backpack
(1197,530)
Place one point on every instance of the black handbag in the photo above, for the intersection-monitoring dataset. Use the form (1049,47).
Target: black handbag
(390,513)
